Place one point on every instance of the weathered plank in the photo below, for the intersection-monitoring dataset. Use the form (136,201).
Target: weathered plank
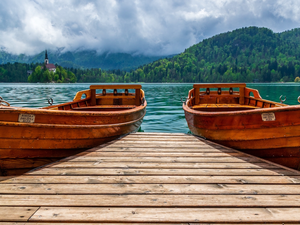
(30,179)
(157,145)
(164,159)
(171,143)
(185,150)
(97,214)
(165,172)
(161,154)
(166,189)
(55,223)
(16,213)
(152,200)
(146,165)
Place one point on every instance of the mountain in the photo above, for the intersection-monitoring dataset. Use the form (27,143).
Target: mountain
(244,55)
(83,59)
(249,54)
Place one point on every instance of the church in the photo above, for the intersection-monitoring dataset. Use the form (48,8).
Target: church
(49,66)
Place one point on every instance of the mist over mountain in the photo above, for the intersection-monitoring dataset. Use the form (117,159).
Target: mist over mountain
(82,59)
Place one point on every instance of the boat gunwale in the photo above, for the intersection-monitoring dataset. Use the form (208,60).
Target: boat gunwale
(41,111)
(62,126)
(241,112)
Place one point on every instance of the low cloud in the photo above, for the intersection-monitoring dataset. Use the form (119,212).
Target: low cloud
(133,26)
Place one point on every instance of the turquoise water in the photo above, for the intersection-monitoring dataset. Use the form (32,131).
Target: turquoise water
(164,110)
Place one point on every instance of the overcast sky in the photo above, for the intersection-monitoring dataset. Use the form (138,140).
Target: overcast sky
(155,27)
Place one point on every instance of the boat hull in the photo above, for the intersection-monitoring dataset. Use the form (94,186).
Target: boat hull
(56,134)
(277,140)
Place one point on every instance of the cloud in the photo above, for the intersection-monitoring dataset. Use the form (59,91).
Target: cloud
(134,26)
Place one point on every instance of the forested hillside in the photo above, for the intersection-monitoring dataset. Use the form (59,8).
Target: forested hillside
(244,55)
(15,72)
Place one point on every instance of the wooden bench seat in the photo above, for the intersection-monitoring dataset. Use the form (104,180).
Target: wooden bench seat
(105,108)
(223,107)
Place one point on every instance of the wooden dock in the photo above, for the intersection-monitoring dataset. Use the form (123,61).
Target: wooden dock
(154,178)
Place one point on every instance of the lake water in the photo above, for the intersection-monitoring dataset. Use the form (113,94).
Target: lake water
(164,110)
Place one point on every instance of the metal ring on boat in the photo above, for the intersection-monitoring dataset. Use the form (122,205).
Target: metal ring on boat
(115,92)
(282,101)
(104,92)
(299,99)
(126,92)
(207,91)
(230,91)
(219,91)
(4,103)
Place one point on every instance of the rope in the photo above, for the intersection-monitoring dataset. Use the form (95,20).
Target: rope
(3,103)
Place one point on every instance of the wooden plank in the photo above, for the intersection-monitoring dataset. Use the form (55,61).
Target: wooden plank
(196,91)
(55,223)
(16,213)
(93,97)
(103,214)
(242,96)
(125,165)
(30,179)
(166,189)
(152,200)
(227,159)
(166,172)
(156,145)
(160,154)
(137,97)
(188,143)
(187,150)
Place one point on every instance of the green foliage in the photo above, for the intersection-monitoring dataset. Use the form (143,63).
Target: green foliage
(15,72)
(297,79)
(40,74)
(244,55)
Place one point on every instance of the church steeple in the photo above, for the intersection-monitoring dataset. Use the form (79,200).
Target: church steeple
(46,58)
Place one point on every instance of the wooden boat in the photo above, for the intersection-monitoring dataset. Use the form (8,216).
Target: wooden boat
(33,137)
(243,120)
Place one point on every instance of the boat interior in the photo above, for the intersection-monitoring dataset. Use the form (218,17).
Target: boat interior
(104,98)
(226,97)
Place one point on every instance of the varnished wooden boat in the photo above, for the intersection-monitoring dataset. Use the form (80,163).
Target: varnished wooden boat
(33,137)
(243,120)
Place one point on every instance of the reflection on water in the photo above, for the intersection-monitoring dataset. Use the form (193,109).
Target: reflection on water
(164,110)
